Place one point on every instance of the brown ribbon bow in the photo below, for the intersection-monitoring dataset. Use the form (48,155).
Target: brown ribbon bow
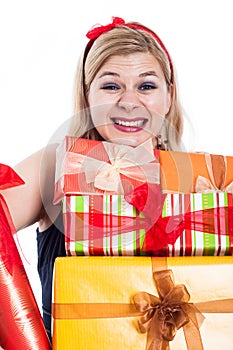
(164,315)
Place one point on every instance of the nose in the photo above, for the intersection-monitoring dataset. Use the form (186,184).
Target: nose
(128,100)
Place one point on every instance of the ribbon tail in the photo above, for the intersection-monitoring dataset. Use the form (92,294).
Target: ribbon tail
(155,340)
(192,337)
(158,345)
(229,188)
(165,345)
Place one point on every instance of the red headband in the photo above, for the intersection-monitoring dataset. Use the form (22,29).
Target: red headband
(96,31)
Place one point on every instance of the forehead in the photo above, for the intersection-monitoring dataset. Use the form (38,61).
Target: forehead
(137,62)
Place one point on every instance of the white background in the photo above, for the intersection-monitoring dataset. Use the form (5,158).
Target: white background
(40,44)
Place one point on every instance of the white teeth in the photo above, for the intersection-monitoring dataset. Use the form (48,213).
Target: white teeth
(136,123)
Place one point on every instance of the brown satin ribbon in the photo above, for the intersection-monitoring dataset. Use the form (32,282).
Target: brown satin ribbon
(164,315)
(160,317)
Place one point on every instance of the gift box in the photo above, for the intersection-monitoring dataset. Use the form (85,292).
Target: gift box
(92,180)
(143,303)
(195,172)
(190,224)
(113,204)
(94,167)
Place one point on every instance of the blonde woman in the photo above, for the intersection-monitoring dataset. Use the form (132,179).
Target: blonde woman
(125,92)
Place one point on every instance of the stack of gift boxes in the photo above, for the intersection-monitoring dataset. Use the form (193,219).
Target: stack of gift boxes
(149,241)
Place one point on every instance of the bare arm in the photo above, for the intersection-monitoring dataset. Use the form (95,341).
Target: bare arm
(32,202)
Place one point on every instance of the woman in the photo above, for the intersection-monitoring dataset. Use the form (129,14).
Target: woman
(126,93)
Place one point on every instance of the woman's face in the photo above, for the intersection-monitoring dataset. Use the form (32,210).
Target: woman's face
(129,99)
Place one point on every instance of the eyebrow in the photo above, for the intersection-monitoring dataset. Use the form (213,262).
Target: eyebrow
(142,75)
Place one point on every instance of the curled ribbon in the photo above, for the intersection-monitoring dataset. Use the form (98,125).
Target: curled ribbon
(164,315)
(137,163)
(204,185)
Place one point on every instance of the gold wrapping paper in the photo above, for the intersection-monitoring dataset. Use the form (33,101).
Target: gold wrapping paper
(112,280)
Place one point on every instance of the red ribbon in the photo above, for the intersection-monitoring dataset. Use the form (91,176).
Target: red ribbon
(95,32)
(8,179)
(165,230)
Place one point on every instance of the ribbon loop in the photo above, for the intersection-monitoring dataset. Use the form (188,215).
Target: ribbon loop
(99,29)
(8,177)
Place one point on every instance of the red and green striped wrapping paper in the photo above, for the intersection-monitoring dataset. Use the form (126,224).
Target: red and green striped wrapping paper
(97,223)
(194,242)
(109,225)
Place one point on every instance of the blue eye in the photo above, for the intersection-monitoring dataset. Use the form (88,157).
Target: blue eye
(147,86)
(110,86)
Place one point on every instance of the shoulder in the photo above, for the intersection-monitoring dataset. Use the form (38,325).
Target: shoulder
(27,203)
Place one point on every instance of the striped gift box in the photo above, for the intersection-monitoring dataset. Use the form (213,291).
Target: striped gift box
(196,242)
(102,225)
(109,225)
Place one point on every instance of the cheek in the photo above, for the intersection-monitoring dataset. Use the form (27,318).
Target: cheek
(91,99)
(99,114)
(159,106)
(168,101)
(93,96)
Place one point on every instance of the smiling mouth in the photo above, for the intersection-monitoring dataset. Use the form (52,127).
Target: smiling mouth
(127,125)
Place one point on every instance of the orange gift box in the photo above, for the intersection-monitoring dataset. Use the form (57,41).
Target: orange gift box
(103,302)
(195,172)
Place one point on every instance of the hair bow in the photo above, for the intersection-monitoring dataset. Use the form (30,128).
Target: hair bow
(100,29)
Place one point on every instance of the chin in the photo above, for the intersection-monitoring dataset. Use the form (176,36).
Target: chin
(128,141)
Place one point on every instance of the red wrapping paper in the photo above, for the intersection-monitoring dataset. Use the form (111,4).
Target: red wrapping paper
(21,325)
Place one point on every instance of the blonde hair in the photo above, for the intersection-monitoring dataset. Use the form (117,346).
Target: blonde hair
(122,40)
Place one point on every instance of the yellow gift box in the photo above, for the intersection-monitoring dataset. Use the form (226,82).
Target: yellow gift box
(95,303)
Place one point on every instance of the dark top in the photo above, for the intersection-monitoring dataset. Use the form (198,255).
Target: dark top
(50,245)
